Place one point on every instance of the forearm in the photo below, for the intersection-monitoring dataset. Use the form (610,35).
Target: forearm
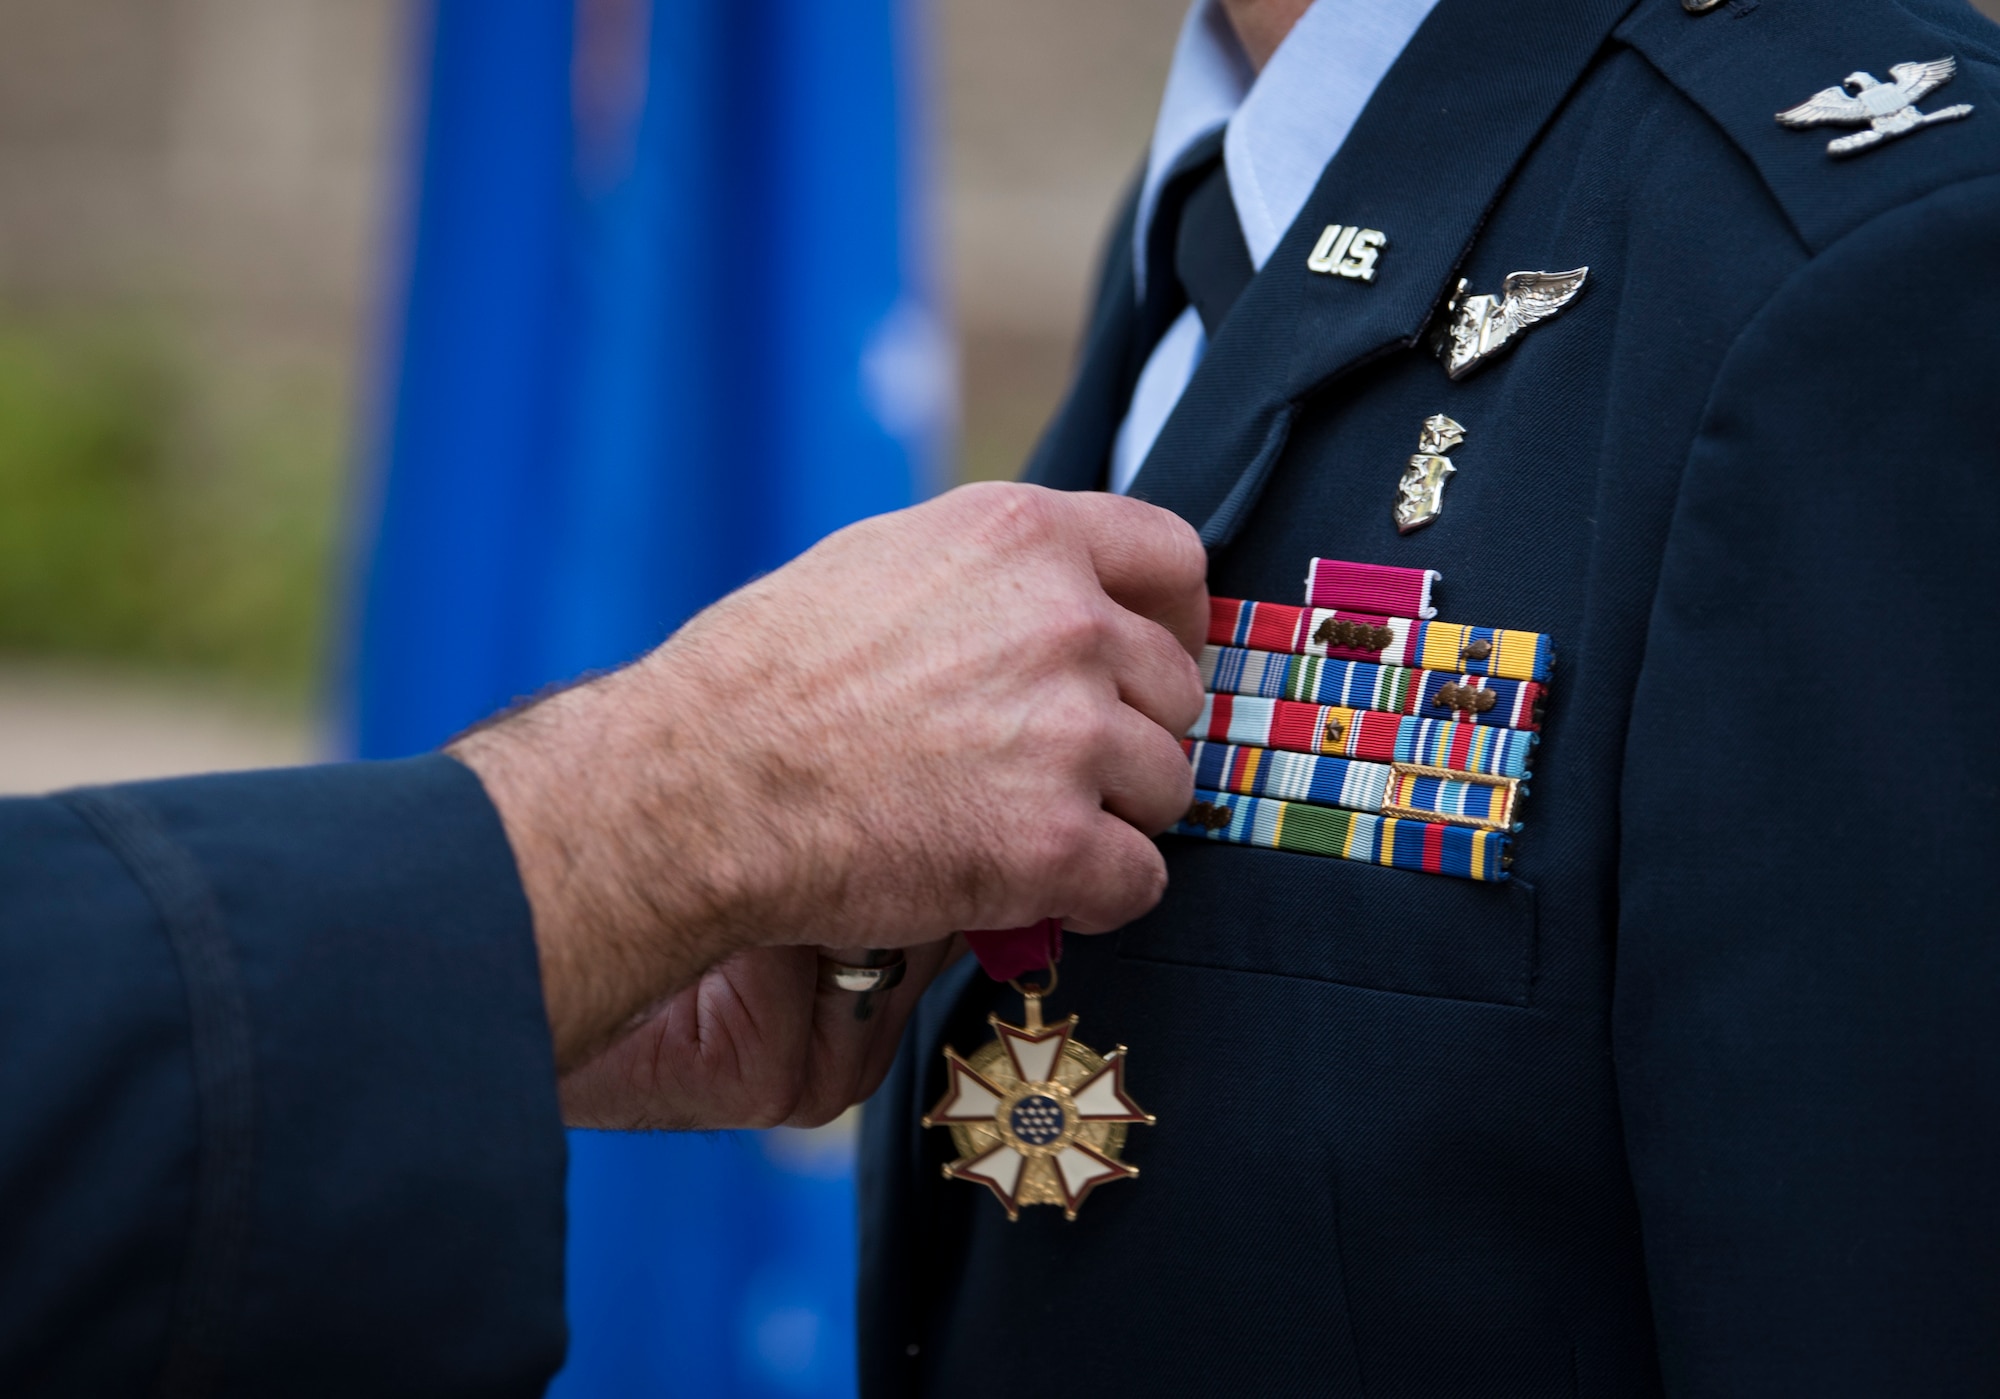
(632,898)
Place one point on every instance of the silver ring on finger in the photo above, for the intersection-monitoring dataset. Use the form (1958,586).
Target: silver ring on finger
(877,975)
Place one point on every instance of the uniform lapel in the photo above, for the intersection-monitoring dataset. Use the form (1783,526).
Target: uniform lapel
(1424,164)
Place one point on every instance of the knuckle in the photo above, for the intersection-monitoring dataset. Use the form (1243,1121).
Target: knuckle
(1176,785)
(1056,708)
(1078,730)
(1074,629)
(1188,556)
(1183,557)
(1159,792)
(1009,515)
(1174,545)
(1063,841)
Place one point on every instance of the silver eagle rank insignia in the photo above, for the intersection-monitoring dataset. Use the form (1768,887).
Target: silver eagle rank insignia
(1473,329)
(1887,109)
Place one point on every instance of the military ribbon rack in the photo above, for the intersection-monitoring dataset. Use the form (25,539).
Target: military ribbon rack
(1334,729)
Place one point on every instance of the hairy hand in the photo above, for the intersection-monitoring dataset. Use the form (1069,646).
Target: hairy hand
(963,715)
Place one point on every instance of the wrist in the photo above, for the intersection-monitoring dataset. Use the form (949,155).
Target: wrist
(631,896)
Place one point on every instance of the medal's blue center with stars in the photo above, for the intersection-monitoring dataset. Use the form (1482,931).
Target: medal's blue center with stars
(1037,1120)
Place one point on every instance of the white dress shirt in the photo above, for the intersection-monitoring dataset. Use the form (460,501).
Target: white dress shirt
(1285,124)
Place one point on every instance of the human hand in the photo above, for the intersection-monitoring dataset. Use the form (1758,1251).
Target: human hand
(755,1042)
(962,715)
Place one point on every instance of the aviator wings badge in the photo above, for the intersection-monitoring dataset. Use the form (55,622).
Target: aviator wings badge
(1886,109)
(1473,329)
(1037,1118)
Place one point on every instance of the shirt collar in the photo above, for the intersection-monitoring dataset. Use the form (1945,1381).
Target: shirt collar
(1285,123)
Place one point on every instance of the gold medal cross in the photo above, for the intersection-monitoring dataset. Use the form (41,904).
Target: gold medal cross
(1037,1118)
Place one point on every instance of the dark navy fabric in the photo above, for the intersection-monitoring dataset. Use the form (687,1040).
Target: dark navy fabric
(279,1092)
(1211,260)
(1705,1101)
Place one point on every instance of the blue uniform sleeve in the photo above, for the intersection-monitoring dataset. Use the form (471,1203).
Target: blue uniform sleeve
(1807,1041)
(280,1111)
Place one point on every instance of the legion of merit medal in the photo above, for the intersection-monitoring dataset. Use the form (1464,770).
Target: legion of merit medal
(1037,1117)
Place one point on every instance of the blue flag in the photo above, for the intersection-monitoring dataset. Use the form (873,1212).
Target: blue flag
(663,319)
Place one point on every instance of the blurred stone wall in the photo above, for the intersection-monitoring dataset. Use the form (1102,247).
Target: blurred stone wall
(193,199)
(228,165)
(223,158)
(1049,105)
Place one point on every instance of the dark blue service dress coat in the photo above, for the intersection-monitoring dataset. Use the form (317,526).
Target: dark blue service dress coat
(277,1089)
(1705,1100)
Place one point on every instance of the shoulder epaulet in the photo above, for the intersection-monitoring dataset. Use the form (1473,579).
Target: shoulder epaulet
(1745,61)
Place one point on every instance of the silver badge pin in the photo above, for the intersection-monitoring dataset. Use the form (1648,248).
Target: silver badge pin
(1473,329)
(1344,250)
(1886,109)
(1420,494)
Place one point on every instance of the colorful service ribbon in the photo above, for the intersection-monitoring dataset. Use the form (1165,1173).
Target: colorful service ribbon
(1371,587)
(1382,789)
(1348,835)
(1477,699)
(1362,733)
(1355,726)
(1358,636)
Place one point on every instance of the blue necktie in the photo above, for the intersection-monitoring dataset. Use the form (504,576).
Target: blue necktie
(1211,260)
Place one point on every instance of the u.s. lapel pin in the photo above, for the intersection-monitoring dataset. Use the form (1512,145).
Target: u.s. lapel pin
(1343,250)
(1420,494)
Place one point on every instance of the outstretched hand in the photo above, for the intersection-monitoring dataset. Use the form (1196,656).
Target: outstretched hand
(963,715)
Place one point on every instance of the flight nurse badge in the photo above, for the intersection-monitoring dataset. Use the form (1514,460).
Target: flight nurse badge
(1420,494)
(1037,1118)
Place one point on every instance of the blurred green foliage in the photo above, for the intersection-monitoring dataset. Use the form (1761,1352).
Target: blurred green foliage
(160,508)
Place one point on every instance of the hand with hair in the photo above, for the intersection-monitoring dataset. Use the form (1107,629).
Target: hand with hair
(962,715)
